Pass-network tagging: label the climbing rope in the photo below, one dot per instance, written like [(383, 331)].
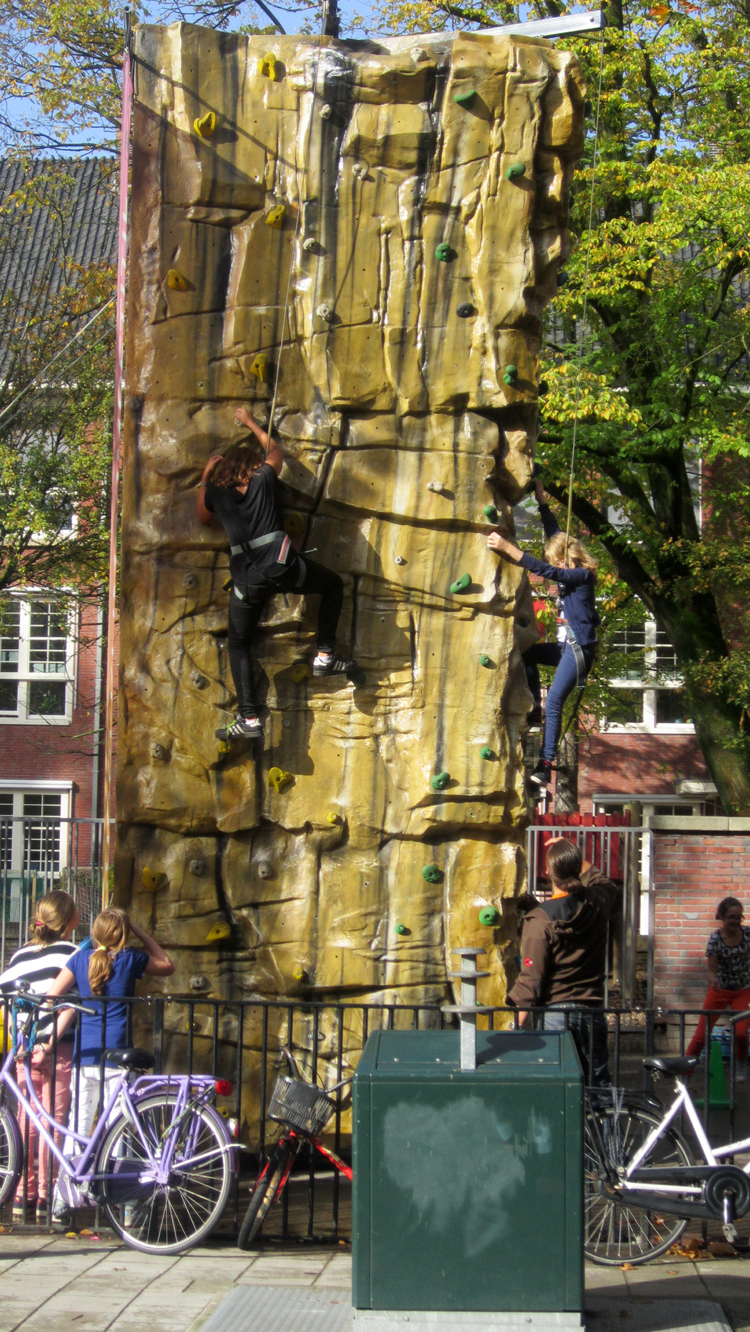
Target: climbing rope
[(296, 230), (571, 478)]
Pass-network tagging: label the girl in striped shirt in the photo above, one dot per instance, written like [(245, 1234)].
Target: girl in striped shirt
[(38, 963)]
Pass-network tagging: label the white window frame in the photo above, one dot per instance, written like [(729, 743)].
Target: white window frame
[(649, 688), (14, 872), (24, 676)]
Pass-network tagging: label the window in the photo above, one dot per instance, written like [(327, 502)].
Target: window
[(33, 845), (648, 690), (36, 661)]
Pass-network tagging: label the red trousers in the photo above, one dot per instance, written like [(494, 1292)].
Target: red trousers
[(41, 1078), (737, 1000)]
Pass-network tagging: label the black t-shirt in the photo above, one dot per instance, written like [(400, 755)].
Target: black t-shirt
[(249, 516)]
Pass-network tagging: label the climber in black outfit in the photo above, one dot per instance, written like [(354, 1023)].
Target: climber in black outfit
[(575, 574), (240, 488)]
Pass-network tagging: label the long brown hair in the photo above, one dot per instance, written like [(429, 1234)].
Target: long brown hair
[(54, 913), (238, 465), (564, 862), (110, 933)]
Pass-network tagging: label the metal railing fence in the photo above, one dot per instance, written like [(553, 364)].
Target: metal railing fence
[(37, 854), (240, 1041)]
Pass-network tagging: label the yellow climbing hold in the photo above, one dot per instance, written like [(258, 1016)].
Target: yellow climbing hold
[(275, 218), (204, 126), (220, 931), (269, 66), (294, 524), (333, 818), (176, 282), (225, 746), (259, 367), (278, 778), (153, 879), (299, 973), (300, 671)]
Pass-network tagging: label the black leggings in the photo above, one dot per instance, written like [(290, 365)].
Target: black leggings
[(244, 617)]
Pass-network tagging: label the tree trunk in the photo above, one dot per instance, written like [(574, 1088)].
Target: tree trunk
[(566, 785)]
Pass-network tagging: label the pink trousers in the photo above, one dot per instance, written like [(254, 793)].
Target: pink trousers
[(41, 1078)]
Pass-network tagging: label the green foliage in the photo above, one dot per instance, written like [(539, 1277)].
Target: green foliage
[(56, 400)]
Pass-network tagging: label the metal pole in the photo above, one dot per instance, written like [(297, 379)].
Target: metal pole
[(122, 268)]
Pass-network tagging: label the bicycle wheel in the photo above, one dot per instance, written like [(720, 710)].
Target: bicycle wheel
[(11, 1154), (616, 1231), (264, 1194), (171, 1217)]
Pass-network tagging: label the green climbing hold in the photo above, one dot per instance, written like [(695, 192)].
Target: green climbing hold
[(440, 781), (484, 660), (490, 513), (400, 927), (511, 374), (431, 873), (461, 584), (465, 98), (444, 252), (517, 169), (485, 752), (489, 915)]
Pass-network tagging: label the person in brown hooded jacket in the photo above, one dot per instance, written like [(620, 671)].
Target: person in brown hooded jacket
[(564, 956)]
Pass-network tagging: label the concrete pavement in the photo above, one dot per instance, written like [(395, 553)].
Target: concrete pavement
[(54, 1284)]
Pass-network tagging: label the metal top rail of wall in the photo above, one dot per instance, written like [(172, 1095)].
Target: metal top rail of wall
[(624, 855), (37, 854)]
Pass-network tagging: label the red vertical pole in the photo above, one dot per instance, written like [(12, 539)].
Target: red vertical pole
[(122, 273)]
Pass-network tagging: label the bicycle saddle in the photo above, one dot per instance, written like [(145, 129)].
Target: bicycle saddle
[(134, 1059), (671, 1066)]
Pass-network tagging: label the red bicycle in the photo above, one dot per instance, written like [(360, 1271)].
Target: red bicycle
[(303, 1110)]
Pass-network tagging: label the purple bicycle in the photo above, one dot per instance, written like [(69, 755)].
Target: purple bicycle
[(160, 1160)]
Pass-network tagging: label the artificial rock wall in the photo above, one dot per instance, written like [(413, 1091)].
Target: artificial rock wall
[(412, 198)]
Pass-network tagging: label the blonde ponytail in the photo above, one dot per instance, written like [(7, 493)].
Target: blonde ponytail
[(110, 933)]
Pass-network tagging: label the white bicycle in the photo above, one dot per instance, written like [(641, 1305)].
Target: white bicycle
[(641, 1182)]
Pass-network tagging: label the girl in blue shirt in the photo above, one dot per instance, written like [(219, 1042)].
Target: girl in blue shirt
[(574, 571), (109, 968)]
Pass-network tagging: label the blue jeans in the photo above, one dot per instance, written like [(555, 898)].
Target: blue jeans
[(562, 656), (588, 1027)]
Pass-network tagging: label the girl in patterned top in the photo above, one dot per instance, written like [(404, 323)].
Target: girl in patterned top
[(38, 963), (728, 953)]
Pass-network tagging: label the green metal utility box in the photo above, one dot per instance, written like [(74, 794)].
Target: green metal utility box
[(468, 1186)]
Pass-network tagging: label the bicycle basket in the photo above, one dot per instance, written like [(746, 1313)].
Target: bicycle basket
[(301, 1106)]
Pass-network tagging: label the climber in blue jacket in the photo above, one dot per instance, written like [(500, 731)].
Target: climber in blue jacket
[(574, 571)]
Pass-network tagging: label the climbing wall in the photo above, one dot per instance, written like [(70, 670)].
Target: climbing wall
[(412, 198)]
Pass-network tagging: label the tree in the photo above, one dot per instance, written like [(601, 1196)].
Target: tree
[(56, 353)]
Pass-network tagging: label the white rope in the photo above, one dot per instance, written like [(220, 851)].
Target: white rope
[(585, 302), (46, 367)]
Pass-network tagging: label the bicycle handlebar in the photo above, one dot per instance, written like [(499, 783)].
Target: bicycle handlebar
[(41, 1001)]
